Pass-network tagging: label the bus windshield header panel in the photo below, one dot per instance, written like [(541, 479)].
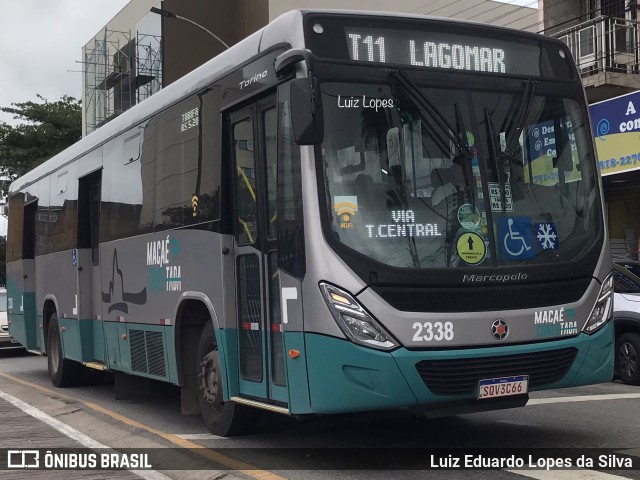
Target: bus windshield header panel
[(442, 51), (436, 45)]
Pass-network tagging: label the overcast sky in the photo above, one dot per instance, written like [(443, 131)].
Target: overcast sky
[(41, 42)]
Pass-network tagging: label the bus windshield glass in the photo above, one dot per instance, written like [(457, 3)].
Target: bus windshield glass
[(424, 177)]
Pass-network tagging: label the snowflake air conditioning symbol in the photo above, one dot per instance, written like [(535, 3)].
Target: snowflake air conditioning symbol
[(547, 236)]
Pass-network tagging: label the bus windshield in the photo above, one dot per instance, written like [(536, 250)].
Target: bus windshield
[(419, 176)]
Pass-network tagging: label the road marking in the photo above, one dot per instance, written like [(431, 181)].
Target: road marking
[(583, 398), (566, 475), (72, 433), (199, 436), (211, 455)]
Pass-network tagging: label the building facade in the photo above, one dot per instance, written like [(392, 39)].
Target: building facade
[(122, 64), (604, 36)]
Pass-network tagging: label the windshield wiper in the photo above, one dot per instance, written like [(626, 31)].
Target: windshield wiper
[(433, 112), (524, 108), (463, 131), (494, 154), (512, 139), (460, 140)]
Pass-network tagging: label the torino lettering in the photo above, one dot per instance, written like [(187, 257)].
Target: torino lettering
[(460, 57)]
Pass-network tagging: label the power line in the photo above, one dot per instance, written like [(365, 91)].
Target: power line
[(494, 6), (450, 4), (537, 12), (520, 8), (571, 19), (517, 10)]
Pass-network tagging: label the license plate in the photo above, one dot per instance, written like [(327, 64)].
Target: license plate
[(503, 387)]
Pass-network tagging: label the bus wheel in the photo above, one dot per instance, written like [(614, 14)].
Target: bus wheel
[(628, 358), (63, 372), (221, 418)]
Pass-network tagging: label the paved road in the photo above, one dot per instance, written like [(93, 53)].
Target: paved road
[(599, 416)]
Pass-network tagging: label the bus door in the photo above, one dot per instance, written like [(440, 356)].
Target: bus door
[(253, 132), (27, 305), (86, 259)]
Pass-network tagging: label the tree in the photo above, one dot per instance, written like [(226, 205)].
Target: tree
[(46, 129)]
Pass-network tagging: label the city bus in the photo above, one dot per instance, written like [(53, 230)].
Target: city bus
[(344, 212)]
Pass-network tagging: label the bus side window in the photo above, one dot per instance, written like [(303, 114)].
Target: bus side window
[(291, 249), (15, 228), (245, 170), (89, 214), (29, 235), (270, 122)]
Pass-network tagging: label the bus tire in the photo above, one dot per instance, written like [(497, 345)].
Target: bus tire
[(63, 372), (627, 356), (222, 418)]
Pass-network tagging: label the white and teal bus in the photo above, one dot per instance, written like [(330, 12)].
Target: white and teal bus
[(343, 212)]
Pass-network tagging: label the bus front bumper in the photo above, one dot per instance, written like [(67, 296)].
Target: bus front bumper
[(345, 377)]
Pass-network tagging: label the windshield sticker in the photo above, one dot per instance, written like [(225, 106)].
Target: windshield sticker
[(471, 140), (547, 236), (516, 238), (364, 102), (471, 248), (346, 208), (543, 154), (469, 216), (495, 194), (555, 322)]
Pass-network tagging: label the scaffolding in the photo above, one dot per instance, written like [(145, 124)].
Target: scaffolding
[(119, 71), (148, 65)]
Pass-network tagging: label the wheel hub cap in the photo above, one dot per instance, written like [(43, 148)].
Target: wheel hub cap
[(628, 359), (209, 379)]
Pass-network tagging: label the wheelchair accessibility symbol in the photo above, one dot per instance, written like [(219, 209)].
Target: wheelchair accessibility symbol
[(516, 238)]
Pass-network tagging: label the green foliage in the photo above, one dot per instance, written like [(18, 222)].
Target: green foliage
[(46, 129)]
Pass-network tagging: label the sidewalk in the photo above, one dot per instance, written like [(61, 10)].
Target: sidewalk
[(21, 431)]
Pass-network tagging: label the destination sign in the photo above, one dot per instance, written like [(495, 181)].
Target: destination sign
[(439, 50)]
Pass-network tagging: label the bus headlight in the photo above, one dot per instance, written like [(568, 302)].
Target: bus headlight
[(355, 321), (603, 309)]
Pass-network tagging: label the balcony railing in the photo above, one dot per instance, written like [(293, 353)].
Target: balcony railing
[(604, 44)]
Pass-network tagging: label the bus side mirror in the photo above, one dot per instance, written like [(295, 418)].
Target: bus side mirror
[(306, 111)]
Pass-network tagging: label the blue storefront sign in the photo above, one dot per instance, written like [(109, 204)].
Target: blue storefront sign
[(616, 127)]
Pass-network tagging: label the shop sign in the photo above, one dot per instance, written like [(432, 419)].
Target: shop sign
[(616, 127)]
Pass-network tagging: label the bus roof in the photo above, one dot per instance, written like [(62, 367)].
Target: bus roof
[(286, 29)]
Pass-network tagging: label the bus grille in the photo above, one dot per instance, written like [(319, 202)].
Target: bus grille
[(483, 299), (461, 376)]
